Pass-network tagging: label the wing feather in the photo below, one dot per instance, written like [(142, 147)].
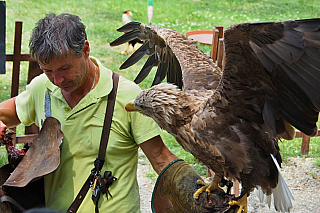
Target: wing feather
[(137, 55), (178, 58), (284, 57), (150, 63)]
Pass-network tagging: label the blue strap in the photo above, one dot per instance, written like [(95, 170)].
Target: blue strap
[(47, 107)]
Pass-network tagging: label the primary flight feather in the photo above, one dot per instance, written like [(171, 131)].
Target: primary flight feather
[(232, 118)]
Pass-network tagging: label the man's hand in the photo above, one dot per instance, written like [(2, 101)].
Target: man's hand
[(3, 128)]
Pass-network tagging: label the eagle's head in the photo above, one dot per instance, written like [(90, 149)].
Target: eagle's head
[(166, 104)]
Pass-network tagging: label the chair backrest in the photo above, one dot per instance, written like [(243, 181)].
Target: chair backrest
[(217, 48), (33, 71)]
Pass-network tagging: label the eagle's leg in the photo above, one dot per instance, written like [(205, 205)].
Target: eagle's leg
[(228, 184), (133, 49), (126, 50), (207, 187), (241, 201)]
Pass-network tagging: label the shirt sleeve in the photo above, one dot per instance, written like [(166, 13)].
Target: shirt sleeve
[(142, 128), (26, 101)]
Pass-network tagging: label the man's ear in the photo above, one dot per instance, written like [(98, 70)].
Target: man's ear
[(86, 48)]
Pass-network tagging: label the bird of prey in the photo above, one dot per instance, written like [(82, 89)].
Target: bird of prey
[(126, 18), (231, 119)]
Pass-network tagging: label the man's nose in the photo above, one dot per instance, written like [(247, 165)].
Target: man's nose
[(58, 78)]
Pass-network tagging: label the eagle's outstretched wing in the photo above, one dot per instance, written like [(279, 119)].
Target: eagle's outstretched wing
[(269, 65), (177, 58), (275, 65)]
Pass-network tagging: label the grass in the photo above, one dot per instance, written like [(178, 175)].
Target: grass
[(293, 149), (103, 17)]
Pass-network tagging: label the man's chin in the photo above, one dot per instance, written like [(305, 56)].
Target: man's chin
[(67, 89)]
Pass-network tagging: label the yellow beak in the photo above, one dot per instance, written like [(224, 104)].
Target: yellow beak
[(131, 108)]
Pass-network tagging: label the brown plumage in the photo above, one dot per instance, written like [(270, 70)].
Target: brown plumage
[(231, 119)]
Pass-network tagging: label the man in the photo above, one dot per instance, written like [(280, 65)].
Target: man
[(78, 86)]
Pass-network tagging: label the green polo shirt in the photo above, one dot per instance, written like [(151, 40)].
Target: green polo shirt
[(82, 127)]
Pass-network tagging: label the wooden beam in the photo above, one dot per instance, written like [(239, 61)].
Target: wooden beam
[(34, 70), (25, 138), (16, 59), (305, 141), (220, 56), (214, 47), (23, 57), (305, 144), (220, 28)]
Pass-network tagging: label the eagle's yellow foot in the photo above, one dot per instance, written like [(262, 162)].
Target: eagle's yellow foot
[(207, 187), (242, 203), (124, 52)]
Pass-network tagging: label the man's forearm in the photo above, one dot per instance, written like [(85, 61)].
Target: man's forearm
[(8, 114), (157, 153)]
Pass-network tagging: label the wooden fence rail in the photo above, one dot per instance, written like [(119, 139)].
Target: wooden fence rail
[(33, 70)]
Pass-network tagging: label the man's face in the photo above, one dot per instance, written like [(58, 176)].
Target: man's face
[(69, 73)]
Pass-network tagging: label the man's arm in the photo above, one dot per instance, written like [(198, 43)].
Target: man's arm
[(157, 153), (8, 113)]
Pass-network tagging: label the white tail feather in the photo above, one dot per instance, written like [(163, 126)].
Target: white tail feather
[(281, 194)]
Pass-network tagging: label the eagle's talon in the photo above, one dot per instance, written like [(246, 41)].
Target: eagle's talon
[(124, 52), (207, 188), (240, 201), (201, 183)]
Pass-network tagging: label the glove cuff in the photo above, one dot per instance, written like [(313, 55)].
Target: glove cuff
[(174, 191)]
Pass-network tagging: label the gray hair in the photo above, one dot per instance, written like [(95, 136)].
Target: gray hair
[(55, 36)]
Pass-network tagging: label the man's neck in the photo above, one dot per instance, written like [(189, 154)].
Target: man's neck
[(74, 97)]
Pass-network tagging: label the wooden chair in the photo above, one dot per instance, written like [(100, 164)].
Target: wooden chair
[(33, 70)]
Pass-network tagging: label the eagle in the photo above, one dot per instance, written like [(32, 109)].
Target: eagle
[(231, 119)]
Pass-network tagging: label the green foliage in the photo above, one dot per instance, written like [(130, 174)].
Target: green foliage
[(3, 156), (317, 162), (293, 148), (103, 17)]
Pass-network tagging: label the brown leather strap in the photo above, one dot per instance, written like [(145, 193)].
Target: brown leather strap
[(81, 195), (103, 143), (108, 118)]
